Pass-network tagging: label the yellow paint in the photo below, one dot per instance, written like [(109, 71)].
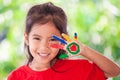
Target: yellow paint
[(75, 39), (67, 38)]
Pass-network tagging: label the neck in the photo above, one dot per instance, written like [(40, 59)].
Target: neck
[(39, 66)]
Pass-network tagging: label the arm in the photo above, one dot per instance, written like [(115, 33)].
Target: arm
[(109, 68)]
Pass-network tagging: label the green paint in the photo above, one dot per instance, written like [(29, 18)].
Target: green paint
[(73, 52)]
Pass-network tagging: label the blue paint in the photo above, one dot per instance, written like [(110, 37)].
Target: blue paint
[(59, 39), (75, 34)]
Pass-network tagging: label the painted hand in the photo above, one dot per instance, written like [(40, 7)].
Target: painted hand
[(71, 47)]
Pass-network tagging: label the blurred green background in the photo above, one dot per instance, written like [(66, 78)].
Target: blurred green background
[(97, 23)]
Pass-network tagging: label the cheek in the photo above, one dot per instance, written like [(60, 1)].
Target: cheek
[(33, 48), (32, 51), (55, 51)]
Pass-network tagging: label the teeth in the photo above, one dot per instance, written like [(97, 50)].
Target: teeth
[(43, 54)]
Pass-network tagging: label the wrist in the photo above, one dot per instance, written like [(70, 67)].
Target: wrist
[(83, 50)]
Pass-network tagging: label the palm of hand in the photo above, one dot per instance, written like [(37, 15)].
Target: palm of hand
[(71, 47)]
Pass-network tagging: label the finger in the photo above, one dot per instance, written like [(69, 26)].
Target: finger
[(66, 37), (75, 36), (57, 46), (59, 39), (63, 56)]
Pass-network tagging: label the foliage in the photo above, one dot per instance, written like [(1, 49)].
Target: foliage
[(95, 21)]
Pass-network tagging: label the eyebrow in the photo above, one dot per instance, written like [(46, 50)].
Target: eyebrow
[(36, 35), (40, 36)]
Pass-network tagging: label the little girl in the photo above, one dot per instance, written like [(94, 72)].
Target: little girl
[(42, 22)]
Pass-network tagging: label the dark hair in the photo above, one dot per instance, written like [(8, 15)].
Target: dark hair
[(42, 14)]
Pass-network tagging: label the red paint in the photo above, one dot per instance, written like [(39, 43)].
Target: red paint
[(73, 48), (75, 37), (57, 46)]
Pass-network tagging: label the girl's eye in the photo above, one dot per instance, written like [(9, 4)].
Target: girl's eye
[(53, 40), (36, 38)]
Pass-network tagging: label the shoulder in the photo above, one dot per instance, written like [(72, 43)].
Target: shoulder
[(75, 62), (72, 64), (16, 73), (81, 65), (78, 62), (87, 69)]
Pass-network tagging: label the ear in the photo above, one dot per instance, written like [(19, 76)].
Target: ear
[(26, 38)]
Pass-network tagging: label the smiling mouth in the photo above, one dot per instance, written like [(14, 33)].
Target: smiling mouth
[(43, 54)]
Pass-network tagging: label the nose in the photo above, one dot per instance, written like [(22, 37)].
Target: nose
[(44, 46)]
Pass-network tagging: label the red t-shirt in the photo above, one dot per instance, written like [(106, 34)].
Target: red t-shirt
[(62, 70)]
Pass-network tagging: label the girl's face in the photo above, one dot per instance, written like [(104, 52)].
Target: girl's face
[(39, 41)]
